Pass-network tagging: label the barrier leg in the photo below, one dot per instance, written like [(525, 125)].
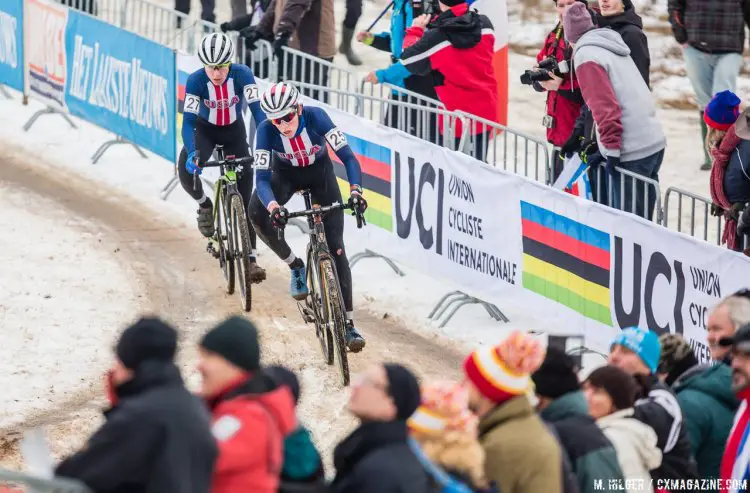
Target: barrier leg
[(169, 187), (439, 303), (49, 110), (118, 140), (370, 254), (301, 225), (459, 299), (465, 301), (445, 302), (4, 92)]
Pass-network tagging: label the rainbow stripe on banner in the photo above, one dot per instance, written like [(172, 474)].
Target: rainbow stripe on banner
[(566, 261), (375, 161)]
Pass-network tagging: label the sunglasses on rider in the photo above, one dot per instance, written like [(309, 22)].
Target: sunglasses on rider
[(285, 119), (217, 67)]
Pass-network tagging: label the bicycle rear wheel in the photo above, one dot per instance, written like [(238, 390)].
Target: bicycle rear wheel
[(333, 301), (320, 311), (241, 250), (224, 240)]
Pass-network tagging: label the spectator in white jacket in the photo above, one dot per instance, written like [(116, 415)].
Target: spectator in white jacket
[(611, 394)]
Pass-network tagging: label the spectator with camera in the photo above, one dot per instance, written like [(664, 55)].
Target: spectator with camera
[(629, 136), (457, 51), (552, 74)]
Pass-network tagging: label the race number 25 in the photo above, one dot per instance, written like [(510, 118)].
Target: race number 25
[(192, 104), (261, 159), (336, 138)]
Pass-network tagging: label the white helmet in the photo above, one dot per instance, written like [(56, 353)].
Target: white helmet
[(216, 49), (279, 99)]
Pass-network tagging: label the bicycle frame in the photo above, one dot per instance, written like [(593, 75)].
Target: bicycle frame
[(227, 182)]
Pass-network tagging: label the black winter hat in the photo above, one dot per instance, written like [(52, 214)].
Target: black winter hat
[(403, 388), (284, 376), (452, 3), (557, 376), (235, 340), (148, 339), (622, 388)]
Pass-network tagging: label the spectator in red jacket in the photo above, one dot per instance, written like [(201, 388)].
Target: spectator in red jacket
[(564, 98), (252, 413), (457, 50)]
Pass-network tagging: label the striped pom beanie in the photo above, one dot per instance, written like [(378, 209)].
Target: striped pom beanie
[(502, 372), (445, 407), (722, 111)]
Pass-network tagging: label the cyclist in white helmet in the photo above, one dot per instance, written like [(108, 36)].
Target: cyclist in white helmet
[(212, 115), (291, 155)]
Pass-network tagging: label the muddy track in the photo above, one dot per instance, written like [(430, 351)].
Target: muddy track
[(183, 284)]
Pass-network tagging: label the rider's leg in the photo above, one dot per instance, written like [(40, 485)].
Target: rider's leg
[(325, 193), (205, 145)]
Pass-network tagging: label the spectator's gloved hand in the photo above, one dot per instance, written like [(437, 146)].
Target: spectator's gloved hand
[(612, 163), (224, 26), (593, 159), (357, 202), (192, 166), (743, 224), (279, 217), (251, 36), (365, 37), (572, 145), (282, 39), (588, 148)]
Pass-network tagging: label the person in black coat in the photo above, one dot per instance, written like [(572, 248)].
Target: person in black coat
[(157, 435), (376, 457)]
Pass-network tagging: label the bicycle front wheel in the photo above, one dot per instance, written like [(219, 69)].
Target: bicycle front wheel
[(241, 250), (224, 241), (320, 310), (333, 301)]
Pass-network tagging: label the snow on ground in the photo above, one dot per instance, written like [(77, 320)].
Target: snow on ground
[(63, 294)]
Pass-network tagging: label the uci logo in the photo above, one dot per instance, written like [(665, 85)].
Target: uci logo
[(222, 104)]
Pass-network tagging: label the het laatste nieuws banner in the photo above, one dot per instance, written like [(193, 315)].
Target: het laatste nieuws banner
[(105, 75), (11, 44)]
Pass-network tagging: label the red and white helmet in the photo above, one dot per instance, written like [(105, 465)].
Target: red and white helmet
[(279, 99)]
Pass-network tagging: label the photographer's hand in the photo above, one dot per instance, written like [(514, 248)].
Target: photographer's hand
[(553, 84), (421, 21)]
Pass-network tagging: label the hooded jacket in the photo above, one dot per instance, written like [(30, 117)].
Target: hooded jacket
[(661, 411), (620, 101), (250, 420), (156, 438), (457, 50), (521, 455), (303, 468), (708, 406), (591, 454), (629, 26), (636, 448)]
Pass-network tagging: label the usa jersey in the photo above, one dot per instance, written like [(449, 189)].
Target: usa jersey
[(219, 105), (304, 149)]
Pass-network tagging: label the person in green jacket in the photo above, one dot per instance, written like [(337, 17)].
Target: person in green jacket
[(706, 399), (562, 404)]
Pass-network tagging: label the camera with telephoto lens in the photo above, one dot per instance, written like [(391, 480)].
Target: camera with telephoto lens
[(429, 7), (546, 67)]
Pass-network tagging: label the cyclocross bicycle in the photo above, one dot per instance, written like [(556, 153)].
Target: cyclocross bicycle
[(230, 243), (324, 306)]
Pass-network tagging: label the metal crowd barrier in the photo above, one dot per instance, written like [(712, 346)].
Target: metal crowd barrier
[(18, 482), (632, 187), (687, 216)]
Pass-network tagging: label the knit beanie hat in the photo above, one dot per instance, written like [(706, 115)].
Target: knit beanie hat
[(557, 376), (147, 339), (676, 357), (620, 385), (284, 376), (642, 342), (403, 388), (722, 111), (235, 340), (501, 372), (452, 3), (576, 22), (445, 406)]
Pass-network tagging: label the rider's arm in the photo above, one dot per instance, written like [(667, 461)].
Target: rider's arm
[(322, 124), (190, 112), (262, 163), (251, 91)]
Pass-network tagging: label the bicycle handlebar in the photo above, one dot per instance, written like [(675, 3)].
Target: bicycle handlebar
[(320, 211), (215, 164)]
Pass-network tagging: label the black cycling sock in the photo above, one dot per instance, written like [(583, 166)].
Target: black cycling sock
[(297, 264)]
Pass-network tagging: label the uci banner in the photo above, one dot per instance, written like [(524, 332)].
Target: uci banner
[(11, 43), (108, 76)]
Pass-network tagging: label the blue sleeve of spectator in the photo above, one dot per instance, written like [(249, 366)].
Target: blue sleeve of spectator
[(395, 74)]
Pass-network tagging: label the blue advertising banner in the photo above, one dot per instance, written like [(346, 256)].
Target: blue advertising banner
[(121, 82), (11, 43)]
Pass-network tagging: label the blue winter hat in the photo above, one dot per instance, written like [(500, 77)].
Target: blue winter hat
[(642, 342), (722, 111)]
